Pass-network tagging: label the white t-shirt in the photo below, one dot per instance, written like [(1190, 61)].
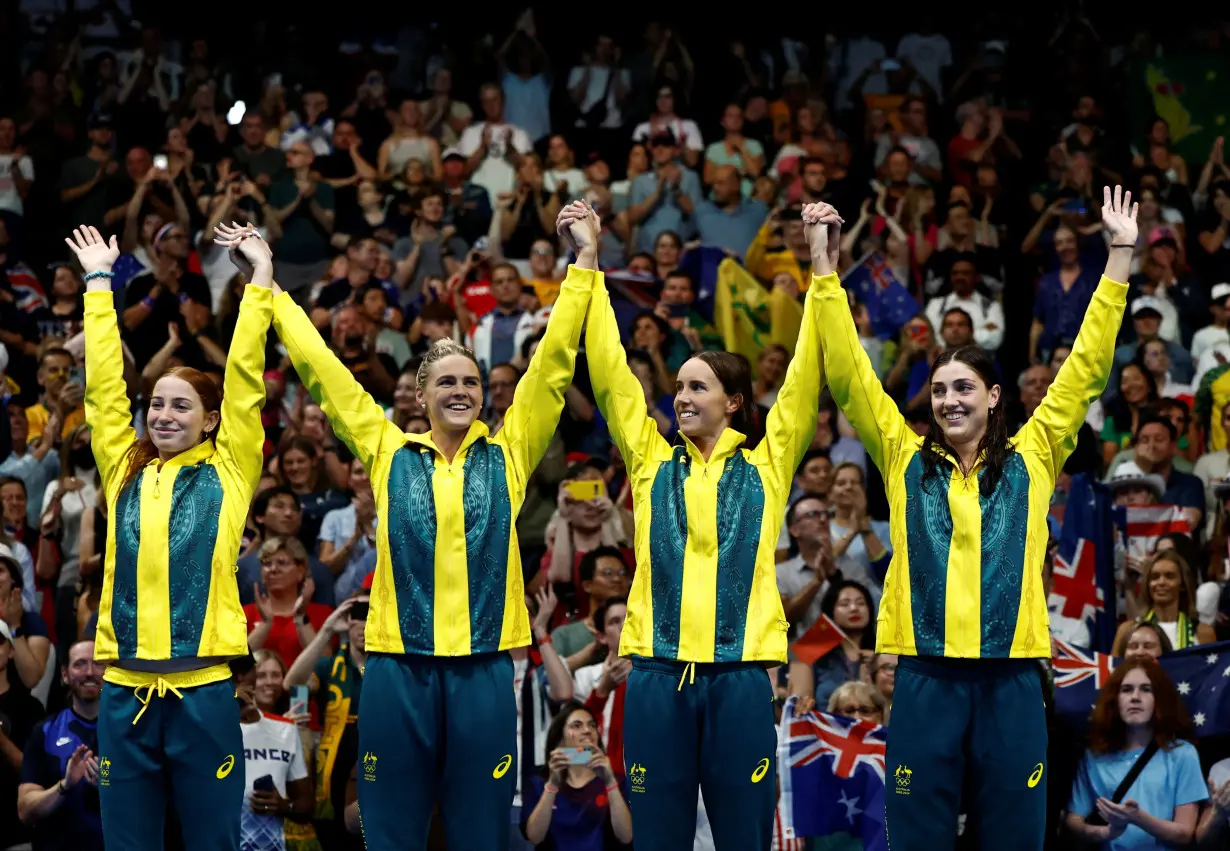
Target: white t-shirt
[(9, 199), (495, 173), (574, 177), (598, 78), (1206, 338), (271, 746), (684, 130)]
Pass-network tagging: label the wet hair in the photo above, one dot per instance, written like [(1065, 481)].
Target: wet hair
[(143, 450), (440, 350), (734, 373), (994, 443), (1170, 722)]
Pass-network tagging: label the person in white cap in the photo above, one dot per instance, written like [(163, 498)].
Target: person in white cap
[(1215, 332), (1131, 485), (1147, 316)]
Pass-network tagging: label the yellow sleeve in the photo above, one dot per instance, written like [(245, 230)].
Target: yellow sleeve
[(356, 417), (1082, 378), (857, 391), (792, 419), (531, 420), (107, 410), (753, 261), (241, 436), (619, 394)]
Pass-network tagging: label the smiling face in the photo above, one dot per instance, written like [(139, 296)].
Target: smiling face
[(1136, 698), (1143, 643), (646, 334), (268, 688), (281, 574), (961, 403), (581, 730), (82, 675), (1165, 582), (177, 419), (403, 395), (297, 469), (542, 259), (453, 394), (847, 486), (1133, 385), (772, 366), (702, 407)]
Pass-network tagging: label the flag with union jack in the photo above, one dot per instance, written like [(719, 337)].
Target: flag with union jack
[(831, 771), (1201, 675), (888, 300), (1083, 578)]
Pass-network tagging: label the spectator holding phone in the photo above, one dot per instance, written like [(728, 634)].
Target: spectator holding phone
[(579, 805), (278, 785), (336, 681)]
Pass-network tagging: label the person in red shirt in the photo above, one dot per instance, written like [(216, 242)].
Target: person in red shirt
[(284, 619)]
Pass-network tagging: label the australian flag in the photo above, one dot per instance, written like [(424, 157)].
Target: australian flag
[(1083, 581), (888, 300), (832, 777), (1201, 674)]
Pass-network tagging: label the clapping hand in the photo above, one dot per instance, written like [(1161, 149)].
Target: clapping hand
[(547, 602), (94, 253), (82, 765)]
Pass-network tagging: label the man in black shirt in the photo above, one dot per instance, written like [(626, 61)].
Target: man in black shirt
[(19, 713), (343, 169), (58, 795), (159, 298)]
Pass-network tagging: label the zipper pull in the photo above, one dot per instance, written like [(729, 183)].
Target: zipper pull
[(157, 481)]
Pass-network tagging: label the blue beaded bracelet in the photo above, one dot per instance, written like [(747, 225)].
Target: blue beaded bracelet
[(99, 274)]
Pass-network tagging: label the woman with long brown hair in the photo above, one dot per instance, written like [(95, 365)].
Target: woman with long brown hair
[(1138, 716), (1168, 598), (169, 619)]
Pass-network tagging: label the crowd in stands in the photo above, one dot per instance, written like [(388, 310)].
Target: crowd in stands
[(409, 184)]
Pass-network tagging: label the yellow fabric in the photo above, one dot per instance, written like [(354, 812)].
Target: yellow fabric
[(1044, 443), (748, 317), (528, 428), (1221, 397), (545, 291), (237, 457), (159, 685), (789, 428), (37, 416), (765, 264)]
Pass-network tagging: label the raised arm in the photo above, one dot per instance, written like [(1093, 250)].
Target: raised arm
[(241, 436), (107, 410), (618, 392), (1082, 378), (792, 419), (847, 368), (532, 418)]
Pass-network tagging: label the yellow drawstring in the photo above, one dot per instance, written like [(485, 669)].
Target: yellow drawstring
[(689, 674), (160, 686)]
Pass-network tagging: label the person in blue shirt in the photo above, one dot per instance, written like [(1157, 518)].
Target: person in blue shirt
[(60, 771), (665, 198), (1138, 706), (578, 806)]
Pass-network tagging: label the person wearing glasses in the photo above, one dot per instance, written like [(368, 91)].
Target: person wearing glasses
[(169, 619)]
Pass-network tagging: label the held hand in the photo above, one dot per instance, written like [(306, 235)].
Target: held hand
[(600, 764), (557, 764), (268, 803), (93, 252), (248, 251), (1119, 216), (822, 226)]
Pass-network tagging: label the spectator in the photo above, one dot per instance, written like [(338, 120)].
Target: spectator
[(315, 127), (1147, 641), (278, 786), (665, 198), (348, 535), (1133, 402), (408, 142), (849, 605), (1215, 333), (58, 795), (985, 314), (336, 681), (1215, 822), (19, 716), (301, 205), (859, 701), (299, 466), (444, 117), (1146, 321), (882, 673), (664, 122), (86, 181), (277, 514), (1063, 296), (1156, 445), (604, 575), (803, 581), (1167, 598), (59, 393), (501, 385), (493, 147), (499, 334), (254, 158), (577, 805), (602, 685), (432, 249), (730, 219), (283, 618), (31, 463), (467, 205), (1138, 713), (65, 501), (30, 646), (562, 175), (744, 155), (14, 513), (861, 545)]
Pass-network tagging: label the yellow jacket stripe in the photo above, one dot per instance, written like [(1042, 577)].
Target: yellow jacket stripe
[(448, 578), (966, 573), (705, 587), (169, 583)]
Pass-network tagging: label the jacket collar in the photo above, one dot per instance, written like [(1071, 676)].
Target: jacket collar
[(203, 451), (728, 443), (478, 429)]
